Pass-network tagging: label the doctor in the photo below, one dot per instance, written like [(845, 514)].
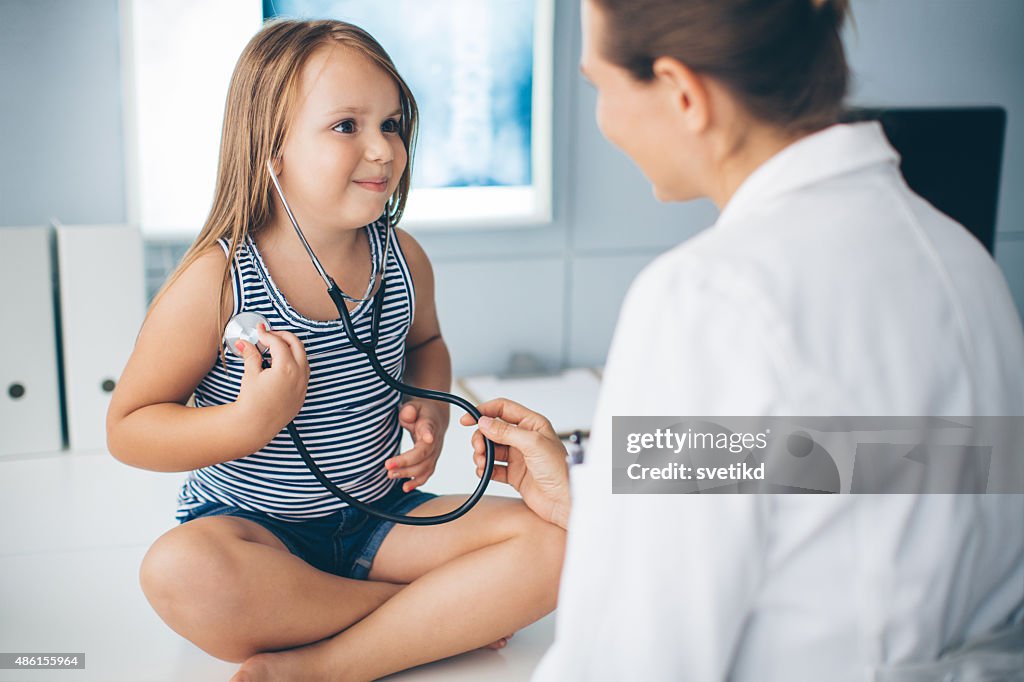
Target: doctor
[(826, 287)]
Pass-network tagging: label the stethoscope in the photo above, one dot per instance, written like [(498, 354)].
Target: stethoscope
[(244, 326)]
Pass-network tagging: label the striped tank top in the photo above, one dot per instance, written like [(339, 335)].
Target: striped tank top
[(349, 421)]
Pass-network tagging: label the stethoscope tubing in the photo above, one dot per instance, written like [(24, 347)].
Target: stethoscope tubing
[(370, 351)]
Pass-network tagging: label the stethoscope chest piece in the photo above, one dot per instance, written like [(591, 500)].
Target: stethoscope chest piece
[(244, 327)]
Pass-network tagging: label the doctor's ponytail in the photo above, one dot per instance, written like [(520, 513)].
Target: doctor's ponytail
[(782, 59)]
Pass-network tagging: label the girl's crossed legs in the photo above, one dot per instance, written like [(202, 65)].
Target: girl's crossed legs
[(234, 589)]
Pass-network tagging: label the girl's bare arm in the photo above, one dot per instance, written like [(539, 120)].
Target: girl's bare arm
[(148, 425), (428, 364)]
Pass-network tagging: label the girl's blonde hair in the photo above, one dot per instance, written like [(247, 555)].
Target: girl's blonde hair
[(261, 97)]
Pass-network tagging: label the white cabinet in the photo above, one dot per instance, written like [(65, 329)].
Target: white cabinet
[(30, 410), (102, 303)]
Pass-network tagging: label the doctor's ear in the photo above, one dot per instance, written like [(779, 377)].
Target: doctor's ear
[(686, 89)]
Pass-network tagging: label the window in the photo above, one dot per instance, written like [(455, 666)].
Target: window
[(178, 59), (481, 71)]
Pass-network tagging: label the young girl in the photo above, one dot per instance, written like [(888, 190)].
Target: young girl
[(265, 558)]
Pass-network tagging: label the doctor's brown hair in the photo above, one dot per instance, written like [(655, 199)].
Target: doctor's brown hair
[(261, 96), (782, 59)]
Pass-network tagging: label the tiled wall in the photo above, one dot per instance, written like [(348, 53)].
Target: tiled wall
[(554, 290)]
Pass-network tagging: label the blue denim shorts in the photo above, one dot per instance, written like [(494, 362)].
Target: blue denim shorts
[(343, 543)]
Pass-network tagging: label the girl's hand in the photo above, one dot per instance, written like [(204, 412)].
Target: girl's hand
[(272, 396), (426, 421)]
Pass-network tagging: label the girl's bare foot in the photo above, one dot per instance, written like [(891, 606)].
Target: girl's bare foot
[(498, 644), (304, 664)]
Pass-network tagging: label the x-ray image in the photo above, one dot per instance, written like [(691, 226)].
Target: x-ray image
[(470, 66)]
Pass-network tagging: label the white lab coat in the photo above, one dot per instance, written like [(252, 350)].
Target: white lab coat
[(826, 287)]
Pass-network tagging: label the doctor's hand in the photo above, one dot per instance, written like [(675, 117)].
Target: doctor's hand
[(272, 396), (527, 455), (426, 421)]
